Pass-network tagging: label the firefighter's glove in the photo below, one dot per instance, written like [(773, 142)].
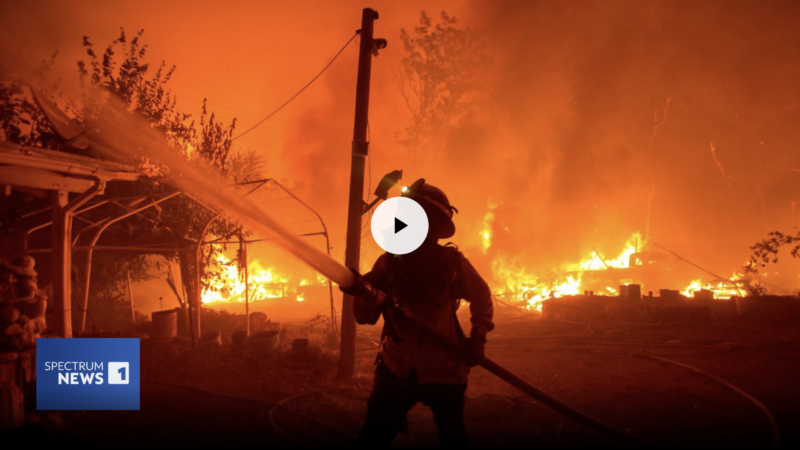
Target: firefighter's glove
[(363, 289), (474, 353)]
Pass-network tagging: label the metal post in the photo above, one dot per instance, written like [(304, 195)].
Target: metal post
[(103, 226), (327, 244), (61, 267), (63, 211), (360, 149)]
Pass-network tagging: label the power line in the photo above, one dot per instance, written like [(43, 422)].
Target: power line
[(300, 91), (218, 105)]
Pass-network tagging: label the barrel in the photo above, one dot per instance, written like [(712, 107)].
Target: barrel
[(165, 324)]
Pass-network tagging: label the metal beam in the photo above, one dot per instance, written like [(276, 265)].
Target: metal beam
[(96, 236), (63, 211)]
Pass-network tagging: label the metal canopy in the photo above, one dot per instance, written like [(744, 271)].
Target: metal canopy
[(60, 173), (65, 164)]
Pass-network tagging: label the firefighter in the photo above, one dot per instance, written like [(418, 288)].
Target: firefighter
[(431, 281)]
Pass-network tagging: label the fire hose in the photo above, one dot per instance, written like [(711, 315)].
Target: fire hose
[(129, 134), (259, 220), (514, 380), (199, 180)]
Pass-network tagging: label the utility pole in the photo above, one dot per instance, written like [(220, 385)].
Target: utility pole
[(360, 150)]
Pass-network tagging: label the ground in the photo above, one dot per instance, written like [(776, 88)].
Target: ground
[(219, 397)]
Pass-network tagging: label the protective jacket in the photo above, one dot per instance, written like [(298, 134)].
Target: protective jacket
[(431, 281)]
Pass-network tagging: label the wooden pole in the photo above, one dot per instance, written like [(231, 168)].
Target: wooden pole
[(360, 150)]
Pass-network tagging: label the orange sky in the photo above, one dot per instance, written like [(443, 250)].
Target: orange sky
[(247, 58), (565, 140)]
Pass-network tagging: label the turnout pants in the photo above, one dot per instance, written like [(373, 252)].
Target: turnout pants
[(392, 397)]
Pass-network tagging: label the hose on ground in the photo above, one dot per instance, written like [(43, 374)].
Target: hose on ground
[(770, 417)]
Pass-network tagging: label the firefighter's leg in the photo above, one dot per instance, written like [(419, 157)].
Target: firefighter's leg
[(391, 398), (447, 404)]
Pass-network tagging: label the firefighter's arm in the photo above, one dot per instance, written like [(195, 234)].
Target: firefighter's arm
[(367, 296), (475, 290)]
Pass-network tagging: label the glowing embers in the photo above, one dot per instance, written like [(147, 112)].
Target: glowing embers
[(227, 285)]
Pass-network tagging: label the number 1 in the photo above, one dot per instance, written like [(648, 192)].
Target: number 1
[(121, 372)]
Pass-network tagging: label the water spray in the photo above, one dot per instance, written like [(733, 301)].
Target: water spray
[(124, 132)]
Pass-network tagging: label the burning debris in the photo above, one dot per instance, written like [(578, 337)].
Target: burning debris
[(594, 273), (601, 277), (227, 284), (269, 290)]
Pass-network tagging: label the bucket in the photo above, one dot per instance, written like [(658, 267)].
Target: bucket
[(264, 342), (165, 324)]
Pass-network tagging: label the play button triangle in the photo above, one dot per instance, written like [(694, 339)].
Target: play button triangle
[(398, 225), (395, 215)]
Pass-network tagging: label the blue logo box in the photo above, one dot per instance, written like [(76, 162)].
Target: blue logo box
[(87, 374)]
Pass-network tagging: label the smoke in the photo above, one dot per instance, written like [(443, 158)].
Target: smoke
[(572, 146), (607, 118)]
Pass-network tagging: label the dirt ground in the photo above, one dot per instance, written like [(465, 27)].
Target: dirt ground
[(219, 397)]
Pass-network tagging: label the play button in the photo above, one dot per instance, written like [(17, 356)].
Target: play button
[(399, 225)]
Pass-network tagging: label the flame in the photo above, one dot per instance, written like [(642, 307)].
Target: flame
[(488, 220), (530, 289), (486, 232), (693, 287), (597, 261), (518, 283), (720, 290), (264, 283)]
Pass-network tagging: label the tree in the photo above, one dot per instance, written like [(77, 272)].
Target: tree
[(441, 76), (148, 96), (122, 74), (21, 120), (766, 251)]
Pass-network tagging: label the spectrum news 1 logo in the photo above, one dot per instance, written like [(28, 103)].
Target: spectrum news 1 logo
[(87, 374)]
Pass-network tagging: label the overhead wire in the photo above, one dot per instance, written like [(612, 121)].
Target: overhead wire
[(298, 92), (218, 105)]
